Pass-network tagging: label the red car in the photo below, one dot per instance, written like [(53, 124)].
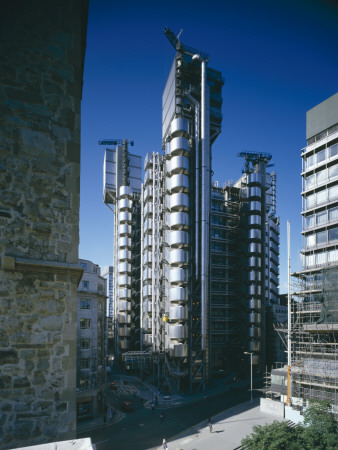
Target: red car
[(113, 386), (127, 406)]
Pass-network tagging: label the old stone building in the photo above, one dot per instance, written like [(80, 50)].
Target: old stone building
[(42, 47)]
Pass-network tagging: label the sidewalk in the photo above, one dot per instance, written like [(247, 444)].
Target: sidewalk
[(229, 428), (94, 424)]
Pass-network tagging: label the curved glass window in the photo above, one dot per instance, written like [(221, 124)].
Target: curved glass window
[(333, 192), (321, 176), (321, 258), (310, 240), (310, 221)]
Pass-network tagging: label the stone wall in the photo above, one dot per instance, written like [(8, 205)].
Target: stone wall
[(42, 45)]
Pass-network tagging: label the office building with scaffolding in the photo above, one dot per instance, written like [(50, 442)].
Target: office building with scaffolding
[(314, 364), (207, 255)]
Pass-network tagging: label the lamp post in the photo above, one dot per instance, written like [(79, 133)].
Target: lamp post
[(250, 353)]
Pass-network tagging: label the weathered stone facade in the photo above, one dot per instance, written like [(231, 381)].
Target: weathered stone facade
[(42, 46)]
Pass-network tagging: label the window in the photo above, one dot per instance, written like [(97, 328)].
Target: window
[(321, 197), (333, 150), (332, 255), (95, 269), (333, 214), (333, 171), (83, 265), (310, 201), (85, 284), (310, 221), (310, 241), (84, 383), (333, 192), (84, 343), (333, 234), (309, 161), (84, 323), (321, 176), (321, 258), (321, 156), (309, 181), (84, 303), (321, 218), (310, 260), (321, 237), (84, 363)]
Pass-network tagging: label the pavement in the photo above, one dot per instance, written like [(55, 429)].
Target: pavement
[(229, 428)]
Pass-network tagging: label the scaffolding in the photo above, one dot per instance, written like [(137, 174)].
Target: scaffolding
[(314, 312)]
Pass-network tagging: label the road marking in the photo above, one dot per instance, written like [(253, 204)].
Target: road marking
[(141, 424), (101, 442)]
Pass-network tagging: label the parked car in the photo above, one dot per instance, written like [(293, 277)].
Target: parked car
[(127, 406), (113, 386)]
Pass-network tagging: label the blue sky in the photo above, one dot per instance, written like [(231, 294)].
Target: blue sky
[(278, 58)]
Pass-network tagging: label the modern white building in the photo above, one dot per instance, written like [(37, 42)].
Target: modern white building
[(315, 311)]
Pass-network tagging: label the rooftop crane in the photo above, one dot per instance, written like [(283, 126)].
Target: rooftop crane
[(125, 158), (179, 46), (254, 158)]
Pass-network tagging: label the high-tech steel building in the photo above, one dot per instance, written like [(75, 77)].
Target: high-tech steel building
[(315, 313), (193, 283)]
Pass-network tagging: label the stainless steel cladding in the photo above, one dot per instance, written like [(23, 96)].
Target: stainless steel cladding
[(178, 276), (179, 202), (126, 191), (254, 178), (255, 220), (178, 257), (178, 331), (255, 191), (255, 346), (254, 261), (124, 305), (125, 229), (124, 267), (179, 146), (124, 280), (125, 216), (179, 239), (255, 247), (124, 293), (125, 204), (255, 206), (255, 332), (178, 294), (178, 183), (178, 164), (179, 127), (179, 220), (255, 317), (255, 234), (124, 254), (178, 312), (124, 241), (124, 318), (254, 275)]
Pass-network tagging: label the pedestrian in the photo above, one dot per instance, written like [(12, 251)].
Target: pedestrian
[(152, 407), (164, 443), (162, 416), (210, 424)]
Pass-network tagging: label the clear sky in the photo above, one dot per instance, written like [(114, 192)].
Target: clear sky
[(279, 58)]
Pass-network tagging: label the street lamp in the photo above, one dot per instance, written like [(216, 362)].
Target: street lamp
[(250, 353)]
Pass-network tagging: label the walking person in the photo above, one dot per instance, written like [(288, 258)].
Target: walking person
[(164, 443), (210, 424)]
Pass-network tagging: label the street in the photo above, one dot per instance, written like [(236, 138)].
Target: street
[(143, 429)]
